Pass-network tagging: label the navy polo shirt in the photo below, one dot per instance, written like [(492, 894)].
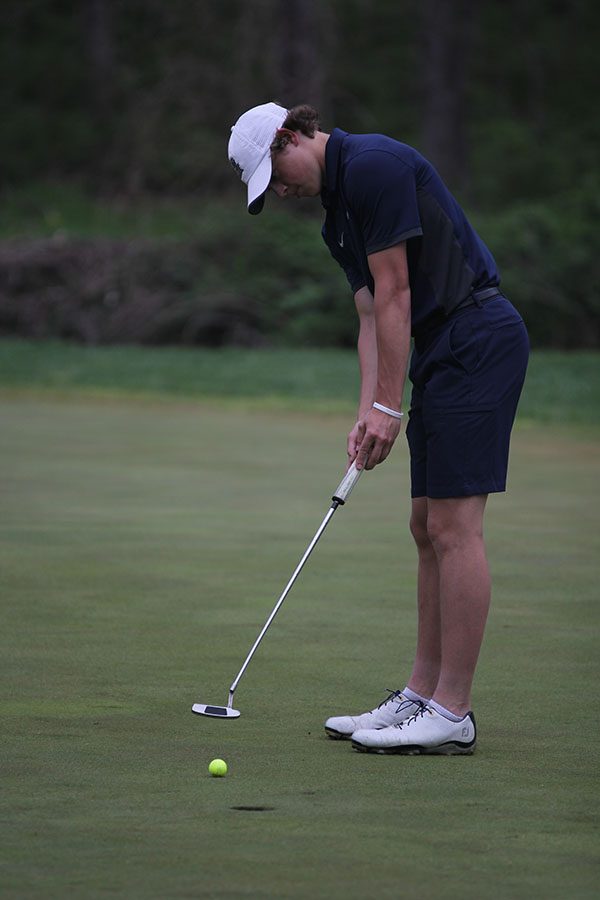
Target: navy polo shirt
[(377, 193)]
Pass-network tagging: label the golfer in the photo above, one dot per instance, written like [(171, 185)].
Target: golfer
[(416, 268)]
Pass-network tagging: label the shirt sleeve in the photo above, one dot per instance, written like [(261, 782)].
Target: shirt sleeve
[(355, 278), (381, 192)]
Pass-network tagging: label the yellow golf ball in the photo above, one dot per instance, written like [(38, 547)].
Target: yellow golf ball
[(218, 768)]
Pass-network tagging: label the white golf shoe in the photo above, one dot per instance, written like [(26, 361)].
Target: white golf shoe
[(391, 711), (426, 732)]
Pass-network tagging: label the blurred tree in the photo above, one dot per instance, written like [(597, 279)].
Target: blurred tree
[(376, 66), (283, 50), (302, 28), (141, 95), (100, 47), (99, 43), (448, 31)]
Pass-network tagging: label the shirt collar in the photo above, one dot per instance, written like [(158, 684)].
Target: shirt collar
[(333, 149)]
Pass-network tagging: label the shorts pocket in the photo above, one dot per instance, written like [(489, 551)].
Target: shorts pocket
[(501, 315), (464, 344)]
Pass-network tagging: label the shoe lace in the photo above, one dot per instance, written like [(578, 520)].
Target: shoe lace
[(420, 712), (392, 695)]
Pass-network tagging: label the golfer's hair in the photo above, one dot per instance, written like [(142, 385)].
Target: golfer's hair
[(301, 118)]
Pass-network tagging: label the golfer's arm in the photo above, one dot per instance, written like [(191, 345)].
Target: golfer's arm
[(392, 322), (367, 350)]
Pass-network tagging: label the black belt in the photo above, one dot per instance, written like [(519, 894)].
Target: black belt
[(477, 298)]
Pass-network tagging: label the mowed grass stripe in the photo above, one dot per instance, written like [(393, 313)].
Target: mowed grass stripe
[(562, 388)]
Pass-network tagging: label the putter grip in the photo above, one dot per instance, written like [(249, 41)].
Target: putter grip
[(345, 486)]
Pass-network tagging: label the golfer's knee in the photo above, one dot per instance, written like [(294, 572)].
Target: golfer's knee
[(418, 529), (443, 540), (448, 535)]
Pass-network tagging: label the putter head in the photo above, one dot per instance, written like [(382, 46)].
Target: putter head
[(217, 712)]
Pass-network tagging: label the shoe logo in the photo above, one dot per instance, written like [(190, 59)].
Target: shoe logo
[(341, 240), (465, 732)]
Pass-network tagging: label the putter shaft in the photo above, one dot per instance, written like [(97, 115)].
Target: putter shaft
[(286, 591), (342, 493)]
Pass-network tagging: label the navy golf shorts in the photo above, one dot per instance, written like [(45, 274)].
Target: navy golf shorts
[(467, 374)]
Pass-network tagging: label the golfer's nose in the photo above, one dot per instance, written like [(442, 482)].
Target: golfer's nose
[(279, 188)]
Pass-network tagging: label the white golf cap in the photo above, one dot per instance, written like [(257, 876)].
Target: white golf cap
[(249, 149)]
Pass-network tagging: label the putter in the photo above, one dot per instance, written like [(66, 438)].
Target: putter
[(339, 498)]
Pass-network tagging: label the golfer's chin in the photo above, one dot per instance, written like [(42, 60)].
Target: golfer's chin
[(303, 193)]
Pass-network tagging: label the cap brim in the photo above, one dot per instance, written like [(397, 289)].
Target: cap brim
[(258, 184)]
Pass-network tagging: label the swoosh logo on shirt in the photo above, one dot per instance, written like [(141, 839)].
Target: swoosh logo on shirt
[(341, 240)]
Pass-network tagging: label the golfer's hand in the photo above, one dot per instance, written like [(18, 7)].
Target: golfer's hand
[(379, 431), (355, 439)]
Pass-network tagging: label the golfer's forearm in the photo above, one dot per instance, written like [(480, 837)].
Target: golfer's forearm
[(367, 361), (367, 350), (392, 322)]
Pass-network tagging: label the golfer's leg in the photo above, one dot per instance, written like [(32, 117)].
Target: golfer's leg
[(426, 669), (455, 528)]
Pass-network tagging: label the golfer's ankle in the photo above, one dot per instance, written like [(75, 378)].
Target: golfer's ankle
[(415, 696), (457, 705)]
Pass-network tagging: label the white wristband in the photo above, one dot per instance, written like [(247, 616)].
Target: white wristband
[(391, 412)]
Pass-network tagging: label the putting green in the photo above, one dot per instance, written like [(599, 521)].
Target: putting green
[(142, 547)]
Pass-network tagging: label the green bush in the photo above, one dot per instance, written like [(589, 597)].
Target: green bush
[(230, 283), (215, 276), (549, 256)]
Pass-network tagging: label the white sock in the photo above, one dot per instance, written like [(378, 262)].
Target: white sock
[(445, 712), (412, 695)]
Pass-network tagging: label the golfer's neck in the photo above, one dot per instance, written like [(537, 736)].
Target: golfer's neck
[(321, 139)]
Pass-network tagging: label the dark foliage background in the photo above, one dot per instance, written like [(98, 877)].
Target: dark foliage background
[(125, 105)]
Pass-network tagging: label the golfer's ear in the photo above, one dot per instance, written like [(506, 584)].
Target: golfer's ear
[(289, 136)]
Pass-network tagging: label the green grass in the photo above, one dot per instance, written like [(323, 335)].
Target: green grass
[(142, 546), (48, 209), (561, 388)]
